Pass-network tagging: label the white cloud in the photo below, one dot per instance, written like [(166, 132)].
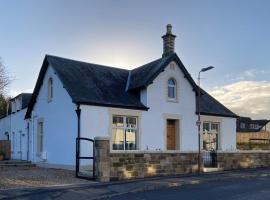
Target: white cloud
[(249, 74), (246, 98)]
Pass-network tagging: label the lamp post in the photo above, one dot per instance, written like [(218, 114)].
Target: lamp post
[(199, 115)]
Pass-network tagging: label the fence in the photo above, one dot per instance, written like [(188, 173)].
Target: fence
[(5, 146)]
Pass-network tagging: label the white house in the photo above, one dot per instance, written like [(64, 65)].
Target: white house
[(152, 107), (13, 127)]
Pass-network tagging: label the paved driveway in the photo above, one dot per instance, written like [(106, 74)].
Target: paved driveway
[(21, 177)]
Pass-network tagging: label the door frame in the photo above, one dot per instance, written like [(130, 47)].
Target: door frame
[(178, 132)]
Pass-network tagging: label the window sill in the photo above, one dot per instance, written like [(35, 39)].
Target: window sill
[(172, 100)]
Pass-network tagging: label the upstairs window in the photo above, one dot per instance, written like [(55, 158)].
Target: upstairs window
[(171, 89), (50, 89), (242, 125)]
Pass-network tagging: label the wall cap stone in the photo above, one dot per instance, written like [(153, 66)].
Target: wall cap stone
[(101, 138), (150, 152), (245, 151)]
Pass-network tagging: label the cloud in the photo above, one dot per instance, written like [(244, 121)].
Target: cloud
[(245, 98), (249, 74)]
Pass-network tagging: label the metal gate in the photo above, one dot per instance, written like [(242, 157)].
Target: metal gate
[(79, 157), (209, 158)]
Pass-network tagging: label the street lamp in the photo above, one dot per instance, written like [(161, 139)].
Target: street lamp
[(199, 115)]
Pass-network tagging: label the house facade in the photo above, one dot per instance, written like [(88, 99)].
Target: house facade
[(150, 108), (13, 127)]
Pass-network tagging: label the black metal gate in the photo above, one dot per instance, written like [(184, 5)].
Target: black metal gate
[(209, 158), (79, 157)]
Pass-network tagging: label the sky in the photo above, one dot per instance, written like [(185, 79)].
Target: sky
[(233, 36)]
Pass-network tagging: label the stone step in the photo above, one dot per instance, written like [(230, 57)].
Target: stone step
[(16, 163)]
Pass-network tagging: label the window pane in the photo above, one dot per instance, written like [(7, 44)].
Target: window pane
[(171, 82), (206, 127), (130, 139), (118, 121), (131, 122), (117, 139), (214, 128), (171, 92)]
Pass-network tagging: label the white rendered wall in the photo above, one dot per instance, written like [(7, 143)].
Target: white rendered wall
[(4, 127), (227, 131), (154, 120), (60, 123)]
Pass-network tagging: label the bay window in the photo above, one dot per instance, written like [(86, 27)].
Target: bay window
[(124, 132)]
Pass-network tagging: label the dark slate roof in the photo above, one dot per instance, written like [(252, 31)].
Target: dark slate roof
[(90, 84), (26, 97), (259, 124), (99, 85), (210, 106), (144, 75)]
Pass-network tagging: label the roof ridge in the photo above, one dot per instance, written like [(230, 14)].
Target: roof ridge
[(84, 62)]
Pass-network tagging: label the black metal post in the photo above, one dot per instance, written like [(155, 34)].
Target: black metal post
[(78, 112), (199, 124)]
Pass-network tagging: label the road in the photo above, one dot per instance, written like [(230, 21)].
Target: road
[(229, 185), (239, 189)]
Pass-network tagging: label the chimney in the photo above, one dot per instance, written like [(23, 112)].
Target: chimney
[(168, 41)]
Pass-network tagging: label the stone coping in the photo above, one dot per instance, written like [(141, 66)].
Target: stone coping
[(182, 152), (101, 138), (150, 152), (245, 151)]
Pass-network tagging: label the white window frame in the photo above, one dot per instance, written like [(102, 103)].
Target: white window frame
[(40, 136), (174, 89), (50, 89), (210, 130), (124, 128)]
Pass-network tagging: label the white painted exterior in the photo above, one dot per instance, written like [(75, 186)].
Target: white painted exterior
[(15, 127), (227, 134), (183, 109), (60, 124), (60, 120)]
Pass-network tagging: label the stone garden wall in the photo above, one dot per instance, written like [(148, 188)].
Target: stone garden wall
[(111, 166), (137, 164), (243, 159)]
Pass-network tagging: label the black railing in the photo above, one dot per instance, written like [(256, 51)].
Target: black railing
[(79, 157)]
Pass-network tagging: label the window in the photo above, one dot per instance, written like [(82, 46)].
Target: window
[(210, 135), (124, 133), (50, 89), (40, 131), (171, 89), (242, 125)]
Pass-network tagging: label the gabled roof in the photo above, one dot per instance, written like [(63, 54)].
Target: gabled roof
[(210, 106), (143, 76), (93, 84)]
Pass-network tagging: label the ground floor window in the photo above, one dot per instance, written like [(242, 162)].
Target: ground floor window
[(210, 135), (40, 132), (124, 132)]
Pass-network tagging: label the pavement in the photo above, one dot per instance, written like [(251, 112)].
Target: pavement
[(95, 190)]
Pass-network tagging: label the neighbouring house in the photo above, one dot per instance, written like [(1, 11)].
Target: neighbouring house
[(13, 127), (253, 133), (149, 108)]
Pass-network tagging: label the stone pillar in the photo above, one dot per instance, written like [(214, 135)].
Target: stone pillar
[(102, 159)]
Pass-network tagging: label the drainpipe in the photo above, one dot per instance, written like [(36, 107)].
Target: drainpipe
[(78, 112)]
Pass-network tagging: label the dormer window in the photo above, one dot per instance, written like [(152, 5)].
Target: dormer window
[(50, 89), (171, 89)]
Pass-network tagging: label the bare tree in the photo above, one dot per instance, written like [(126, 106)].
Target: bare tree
[(4, 83), (4, 78)]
